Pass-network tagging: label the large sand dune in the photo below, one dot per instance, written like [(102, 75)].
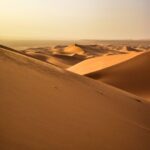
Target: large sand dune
[(45, 108), (101, 62), (132, 75)]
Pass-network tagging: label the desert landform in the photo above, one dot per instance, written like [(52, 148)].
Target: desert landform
[(76, 96)]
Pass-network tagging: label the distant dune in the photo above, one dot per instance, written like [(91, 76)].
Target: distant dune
[(74, 49), (84, 50), (71, 49), (65, 58), (43, 107), (60, 61), (132, 75), (101, 62), (129, 48)]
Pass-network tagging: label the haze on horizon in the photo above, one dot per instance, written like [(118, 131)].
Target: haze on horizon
[(74, 19)]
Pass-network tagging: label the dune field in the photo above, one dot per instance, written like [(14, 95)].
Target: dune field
[(75, 97)]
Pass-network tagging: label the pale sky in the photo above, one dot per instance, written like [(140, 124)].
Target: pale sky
[(74, 19)]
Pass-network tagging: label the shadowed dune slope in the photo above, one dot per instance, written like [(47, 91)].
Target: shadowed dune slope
[(62, 61), (45, 108), (132, 75)]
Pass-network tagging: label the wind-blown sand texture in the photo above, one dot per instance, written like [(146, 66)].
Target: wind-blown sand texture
[(43, 107)]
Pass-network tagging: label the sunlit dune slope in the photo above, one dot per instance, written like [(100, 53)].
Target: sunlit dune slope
[(45, 108), (101, 62), (132, 75)]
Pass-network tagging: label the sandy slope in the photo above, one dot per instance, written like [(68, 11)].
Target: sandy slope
[(45, 108), (132, 75), (98, 63)]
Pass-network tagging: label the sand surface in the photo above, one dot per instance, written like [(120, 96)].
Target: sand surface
[(101, 62), (43, 107), (59, 56), (61, 61), (132, 75)]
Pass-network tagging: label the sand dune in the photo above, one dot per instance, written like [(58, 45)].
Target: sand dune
[(44, 107), (65, 56), (84, 50), (71, 49), (74, 49), (132, 75), (98, 50), (129, 48), (62, 61), (98, 63)]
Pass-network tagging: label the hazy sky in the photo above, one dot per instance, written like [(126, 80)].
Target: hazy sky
[(74, 19)]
